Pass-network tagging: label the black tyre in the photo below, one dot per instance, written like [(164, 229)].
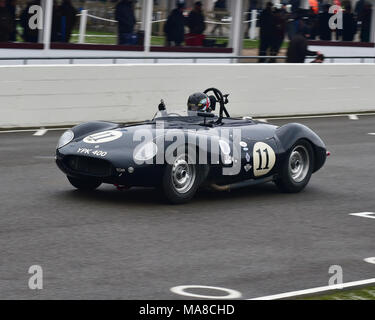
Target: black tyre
[(181, 180), (84, 184), (297, 168)]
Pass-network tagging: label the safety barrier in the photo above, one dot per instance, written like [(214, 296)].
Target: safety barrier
[(63, 95), (170, 59)]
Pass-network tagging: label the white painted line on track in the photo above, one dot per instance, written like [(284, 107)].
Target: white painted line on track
[(353, 117), (40, 132), (16, 131), (316, 290), (370, 260), (31, 130), (316, 116), (370, 215), (372, 133)]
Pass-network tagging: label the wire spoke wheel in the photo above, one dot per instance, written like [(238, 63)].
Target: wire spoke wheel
[(299, 163)]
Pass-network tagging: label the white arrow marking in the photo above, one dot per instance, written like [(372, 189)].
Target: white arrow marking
[(369, 215), (372, 133), (353, 117), (40, 132), (370, 260)]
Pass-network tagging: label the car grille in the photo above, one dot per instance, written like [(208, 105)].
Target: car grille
[(90, 166)]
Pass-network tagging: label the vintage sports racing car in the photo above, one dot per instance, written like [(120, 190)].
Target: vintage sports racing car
[(180, 153)]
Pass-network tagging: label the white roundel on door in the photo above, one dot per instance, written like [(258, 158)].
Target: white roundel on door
[(102, 137), (264, 159)]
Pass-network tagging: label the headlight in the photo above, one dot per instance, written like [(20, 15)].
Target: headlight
[(66, 138), (225, 150), (145, 152)]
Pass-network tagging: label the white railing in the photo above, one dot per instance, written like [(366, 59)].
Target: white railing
[(228, 21)]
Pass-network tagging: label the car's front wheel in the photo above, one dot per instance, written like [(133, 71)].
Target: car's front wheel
[(180, 180), (297, 169), (84, 184)]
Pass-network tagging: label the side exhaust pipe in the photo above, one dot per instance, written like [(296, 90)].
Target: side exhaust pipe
[(242, 184)]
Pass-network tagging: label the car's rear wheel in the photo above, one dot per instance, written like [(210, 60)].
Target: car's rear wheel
[(180, 180), (297, 168), (84, 184)]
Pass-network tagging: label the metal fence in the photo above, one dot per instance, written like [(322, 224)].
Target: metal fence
[(193, 59)]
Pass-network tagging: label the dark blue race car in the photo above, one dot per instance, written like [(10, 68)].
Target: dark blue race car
[(180, 153)]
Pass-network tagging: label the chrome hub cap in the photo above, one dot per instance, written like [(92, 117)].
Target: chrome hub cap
[(183, 175), (299, 163)]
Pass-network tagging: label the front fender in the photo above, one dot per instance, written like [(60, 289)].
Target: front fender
[(87, 128), (289, 134)]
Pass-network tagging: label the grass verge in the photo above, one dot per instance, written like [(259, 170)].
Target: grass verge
[(356, 294)]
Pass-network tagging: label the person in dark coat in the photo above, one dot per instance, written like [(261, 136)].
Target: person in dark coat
[(195, 19), (349, 23), (359, 6), (126, 21), (298, 47), (196, 24), (29, 35), (6, 22), (68, 19), (11, 5), (366, 22), (278, 34), (267, 28), (174, 28), (56, 23), (325, 32), (312, 23)]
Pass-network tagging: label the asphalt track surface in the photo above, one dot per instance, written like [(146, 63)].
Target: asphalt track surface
[(131, 245)]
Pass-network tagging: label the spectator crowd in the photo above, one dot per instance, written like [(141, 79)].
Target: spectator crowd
[(276, 24), (174, 27)]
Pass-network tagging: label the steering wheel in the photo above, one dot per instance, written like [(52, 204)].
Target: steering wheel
[(216, 92), (222, 99)]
